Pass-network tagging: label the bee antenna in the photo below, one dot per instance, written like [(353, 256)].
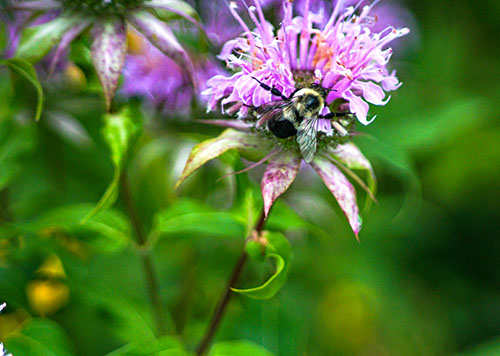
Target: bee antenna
[(272, 89)]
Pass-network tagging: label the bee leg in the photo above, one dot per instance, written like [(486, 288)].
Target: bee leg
[(331, 115), (273, 90)]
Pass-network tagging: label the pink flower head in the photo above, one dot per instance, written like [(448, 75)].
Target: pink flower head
[(342, 54), (274, 69)]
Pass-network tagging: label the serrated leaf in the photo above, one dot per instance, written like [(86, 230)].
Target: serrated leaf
[(165, 346), (120, 131), (28, 72), (278, 250), (40, 337), (249, 145), (238, 348), (37, 41)]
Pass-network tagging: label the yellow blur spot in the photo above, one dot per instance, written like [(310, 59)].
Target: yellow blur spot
[(348, 318), (47, 297), (52, 267), (135, 43), (75, 75), (48, 293)]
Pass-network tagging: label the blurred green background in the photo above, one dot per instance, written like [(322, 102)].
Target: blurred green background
[(425, 279)]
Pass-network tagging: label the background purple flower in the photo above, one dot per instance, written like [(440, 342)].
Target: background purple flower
[(218, 22), (148, 73), (108, 22)]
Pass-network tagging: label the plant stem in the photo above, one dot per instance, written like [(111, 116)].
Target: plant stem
[(145, 252), (226, 295)]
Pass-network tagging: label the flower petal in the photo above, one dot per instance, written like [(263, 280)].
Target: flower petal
[(357, 106), (279, 175), (108, 54), (251, 146), (341, 188), (159, 34), (37, 41), (350, 156), (372, 92)]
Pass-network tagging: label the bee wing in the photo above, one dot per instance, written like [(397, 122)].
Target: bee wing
[(306, 138), (272, 109)]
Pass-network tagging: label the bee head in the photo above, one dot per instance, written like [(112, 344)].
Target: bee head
[(321, 90)]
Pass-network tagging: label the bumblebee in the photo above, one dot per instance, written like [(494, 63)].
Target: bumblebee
[(296, 115)]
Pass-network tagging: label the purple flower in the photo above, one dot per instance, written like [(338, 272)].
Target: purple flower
[(14, 27), (344, 55), (219, 24), (150, 74), (108, 23), (275, 69)]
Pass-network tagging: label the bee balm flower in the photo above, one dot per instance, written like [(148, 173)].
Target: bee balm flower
[(108, 21), (150, 74), (343, 63), (344, 55)]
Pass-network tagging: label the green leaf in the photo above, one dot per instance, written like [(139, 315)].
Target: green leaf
[(28, 72), (250, 146), (170, 9), (278, 250), (190, 217), (165, 346), (120, 132), (238, 348), (37, 41), (16, 143), (40, 337), (489, 348), (108, 231), (284, 218)]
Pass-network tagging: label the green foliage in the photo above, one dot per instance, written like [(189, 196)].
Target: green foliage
[(487, 349), (107, 231), (26, 70), (165, 346), (38, 40), (187, 217), (16, 142), (279, 251), (120, 131), (422, 281), (40, 337), (238, 348), (179, 6)]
